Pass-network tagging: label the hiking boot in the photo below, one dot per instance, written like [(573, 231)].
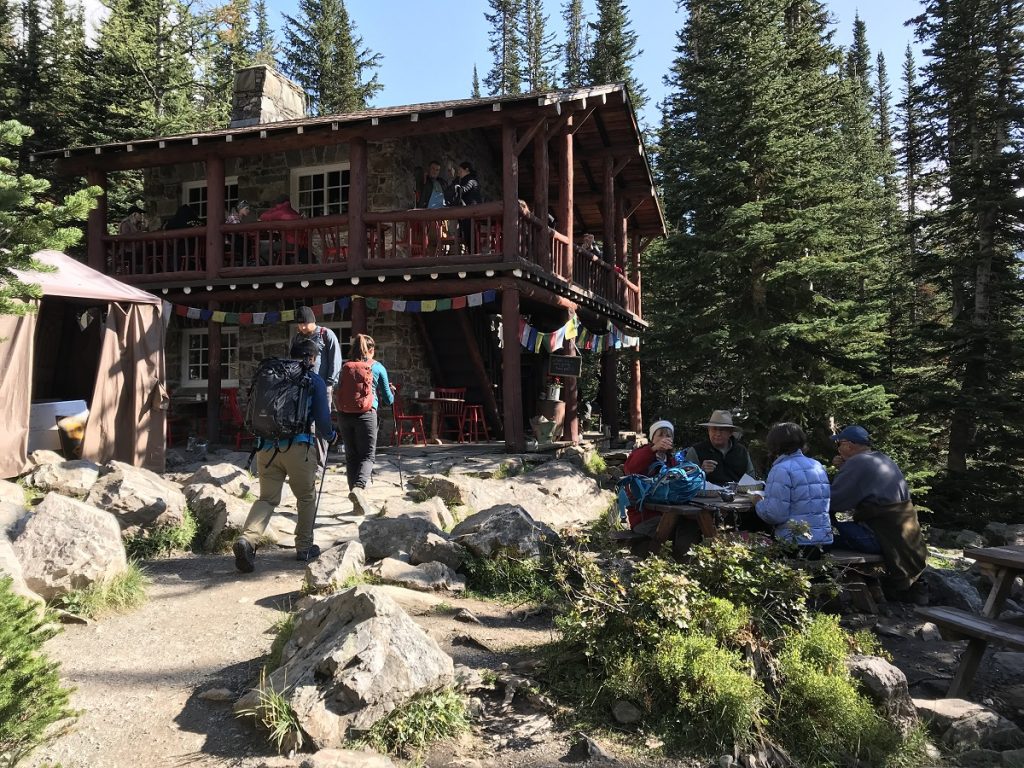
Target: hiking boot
[(307, 555), (360, 503), (245, 555)]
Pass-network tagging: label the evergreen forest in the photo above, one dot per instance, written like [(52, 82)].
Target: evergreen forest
[(844, 232)]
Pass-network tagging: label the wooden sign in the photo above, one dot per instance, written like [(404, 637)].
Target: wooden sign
[(565, 365)]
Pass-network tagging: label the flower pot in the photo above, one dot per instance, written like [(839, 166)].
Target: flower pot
[(554, 392)]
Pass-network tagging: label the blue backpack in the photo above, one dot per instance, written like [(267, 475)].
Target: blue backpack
[(668, 485)]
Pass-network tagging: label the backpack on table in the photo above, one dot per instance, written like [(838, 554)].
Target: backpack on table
[(356, 387)]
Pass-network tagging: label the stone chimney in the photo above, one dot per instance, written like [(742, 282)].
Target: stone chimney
[(264, 95)]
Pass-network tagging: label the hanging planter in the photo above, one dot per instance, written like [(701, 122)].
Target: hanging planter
[(554, 392)]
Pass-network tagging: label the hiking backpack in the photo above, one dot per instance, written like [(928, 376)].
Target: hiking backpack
[(356, 387), (280, 400)]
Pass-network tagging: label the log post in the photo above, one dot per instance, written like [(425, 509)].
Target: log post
[(541, 172), (570, 395), (620, 234), (565, 193), (357, 205), (358, 315), (610, 392), (511, 380), (214, 356), (510, 198), (636, 419), (608, 211), (214, 215), (97, 221)]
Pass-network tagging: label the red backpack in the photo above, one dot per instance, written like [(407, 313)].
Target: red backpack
[(356, 387)]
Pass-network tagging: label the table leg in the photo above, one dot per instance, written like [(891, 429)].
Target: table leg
[(665, 525), (435, 421), (706, 521), (968, 667), (1000, 591)]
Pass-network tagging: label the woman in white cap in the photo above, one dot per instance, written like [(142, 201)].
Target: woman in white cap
[(721, 456)]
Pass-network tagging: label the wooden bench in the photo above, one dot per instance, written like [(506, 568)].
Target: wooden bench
[(979, 631), (854, 568)]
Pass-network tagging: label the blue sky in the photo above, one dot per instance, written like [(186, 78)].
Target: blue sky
[(429, 46)]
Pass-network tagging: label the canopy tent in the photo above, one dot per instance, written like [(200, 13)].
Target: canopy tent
[(92, 337)]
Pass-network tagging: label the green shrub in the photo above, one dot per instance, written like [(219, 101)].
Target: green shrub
[(31, 696), (275, 714), (283, 629), (124, 592), (596, 464), (424, 719), (164, 540), (510, 577)]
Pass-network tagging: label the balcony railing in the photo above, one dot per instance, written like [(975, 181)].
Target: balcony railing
[(394, 240)]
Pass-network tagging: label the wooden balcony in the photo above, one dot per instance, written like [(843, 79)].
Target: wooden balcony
[(396, 242)]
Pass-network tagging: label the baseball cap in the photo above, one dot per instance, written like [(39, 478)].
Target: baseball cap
[(854, 434)]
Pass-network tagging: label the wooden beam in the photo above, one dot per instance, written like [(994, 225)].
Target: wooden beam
[(566, 191), (556, 126), (510, 192), (357, 203), (358, 315), (477, 362), (541, 184), (609, 392), (214, 215), (428, 346), (214, 356), (527, 137), (97, 222), (621, 163), (636, 422), (608, 213), (511, 376), (620, 234), (579, 123)]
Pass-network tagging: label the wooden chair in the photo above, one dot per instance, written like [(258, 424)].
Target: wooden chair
[(475, 423), (488, 237), (453, 411), (415, 422)]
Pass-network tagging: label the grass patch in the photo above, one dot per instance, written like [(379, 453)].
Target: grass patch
[(275, 714), (283, 630), (33, 495), (443, 609), (422, 720), (164, 540), (595, 463), (509, 577), (122, 593)]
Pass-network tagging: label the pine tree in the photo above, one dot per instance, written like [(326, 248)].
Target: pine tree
[(613, 49), (972, 110), (505, 77), (232, 47), (539, 51), (909, 162), (767, 277), (265, 48), (323, 54), (475, 88), (575, 51), (858, 58), (8, 58)]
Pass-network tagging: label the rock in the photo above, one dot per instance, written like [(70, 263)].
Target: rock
[(947, 587), (1012, 696), (218, 694), (353, 658), (9, 566), (928, 632), (970, 726), (11, 493), (41, 457), (968, 539), (433, 510), (387, 536), (627, 713), (506, 528), (584, 749), (229, 478), (887, 686), (1010, 663), (67, 545), (1013, 758), (335, 566), (12, 519), (466, 617), (440, 486), (71, 478), (942, 713), (979, 758), (215, 511), (1001, 534), (345, 758), (424, 577), (138, 497), (437, 549)]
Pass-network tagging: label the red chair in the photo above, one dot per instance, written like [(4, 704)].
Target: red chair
[(231, 418), (488, 237), (416, 429), (474, 423), (452, 411)]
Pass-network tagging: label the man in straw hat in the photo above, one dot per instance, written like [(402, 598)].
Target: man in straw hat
[(721, 456)]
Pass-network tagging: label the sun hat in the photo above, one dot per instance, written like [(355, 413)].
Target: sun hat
[(720, 419), (659, 425), (854, 434)]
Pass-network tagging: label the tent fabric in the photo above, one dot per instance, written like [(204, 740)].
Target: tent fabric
[(128, 412), (17, 334), (73, 279)]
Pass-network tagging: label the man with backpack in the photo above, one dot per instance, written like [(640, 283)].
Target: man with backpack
[(287, 412)]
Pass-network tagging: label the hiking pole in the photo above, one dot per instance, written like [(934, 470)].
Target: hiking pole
[(401, 478), (323, 476)]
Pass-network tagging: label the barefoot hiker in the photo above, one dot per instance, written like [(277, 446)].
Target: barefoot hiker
[(286, 447)]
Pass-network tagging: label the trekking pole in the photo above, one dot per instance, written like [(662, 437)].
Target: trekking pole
[(401, 478), (323, 476)]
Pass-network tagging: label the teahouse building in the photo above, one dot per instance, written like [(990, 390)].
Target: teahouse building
[(445, 310)]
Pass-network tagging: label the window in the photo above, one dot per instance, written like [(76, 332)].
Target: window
[(343, 330), (320, 191), (194, 193), (195, 356)]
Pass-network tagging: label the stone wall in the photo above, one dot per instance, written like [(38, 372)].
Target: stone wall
[(264, 95)]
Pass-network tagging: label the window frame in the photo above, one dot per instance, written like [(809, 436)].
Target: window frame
[(187, 333), (188, 186), (312, 170)]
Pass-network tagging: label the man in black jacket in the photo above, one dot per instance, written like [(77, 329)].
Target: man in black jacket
[(465, 191), (721, 456)]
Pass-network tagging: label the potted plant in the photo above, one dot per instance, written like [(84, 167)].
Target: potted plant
[(554, 388)]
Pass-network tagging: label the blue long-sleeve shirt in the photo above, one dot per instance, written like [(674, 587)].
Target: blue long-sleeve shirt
[(321, 417), (381, 385)]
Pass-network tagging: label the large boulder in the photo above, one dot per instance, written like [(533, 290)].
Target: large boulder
[(557, 493), (11, 493), (67, 545), (11, 568), (71, 478), (215, 511), (946, 587), (353, 658), (433, 509), (138, 497), (506, 528), (335, 566), (43, 456), (12, 519), (965, 725), (228, 477), (425, 577), (394, 536), (887, 685)]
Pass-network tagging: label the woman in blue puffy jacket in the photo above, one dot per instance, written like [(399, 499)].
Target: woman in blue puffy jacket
[(796, 495)]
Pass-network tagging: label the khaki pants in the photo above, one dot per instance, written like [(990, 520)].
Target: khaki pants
[(299, 465)]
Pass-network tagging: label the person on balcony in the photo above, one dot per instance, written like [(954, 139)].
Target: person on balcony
[(465, 191), (185, 217), (235, 244), (134, 222), (239, 214), (432, 193), (292, 242)]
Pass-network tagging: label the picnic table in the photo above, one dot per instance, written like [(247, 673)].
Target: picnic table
[(1004, 564), (707, 512)]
